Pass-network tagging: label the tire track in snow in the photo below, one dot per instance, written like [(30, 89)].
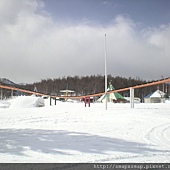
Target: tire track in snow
[(160, 135), (135, 158)]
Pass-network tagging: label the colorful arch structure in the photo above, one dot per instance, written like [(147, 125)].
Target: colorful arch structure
[(166, 80)]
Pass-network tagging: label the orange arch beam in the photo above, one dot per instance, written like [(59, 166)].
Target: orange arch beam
[(21, 90), (127, 88), (92, 95)]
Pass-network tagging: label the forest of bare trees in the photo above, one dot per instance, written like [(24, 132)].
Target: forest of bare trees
[(85, 85)]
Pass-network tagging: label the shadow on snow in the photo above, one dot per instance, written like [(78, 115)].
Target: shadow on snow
[(16, 141)]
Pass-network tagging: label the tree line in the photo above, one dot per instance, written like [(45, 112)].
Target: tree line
[(84, 85)]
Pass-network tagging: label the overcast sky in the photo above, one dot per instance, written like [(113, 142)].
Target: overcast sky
[(42, 39)]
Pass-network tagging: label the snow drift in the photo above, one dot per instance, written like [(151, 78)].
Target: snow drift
[(27, 102)]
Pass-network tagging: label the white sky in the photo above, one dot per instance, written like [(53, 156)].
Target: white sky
[(39, 41)]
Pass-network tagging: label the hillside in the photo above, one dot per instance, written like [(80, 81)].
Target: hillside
[(90, 84)]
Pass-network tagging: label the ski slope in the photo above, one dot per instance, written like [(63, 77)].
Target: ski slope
[(71, 133)]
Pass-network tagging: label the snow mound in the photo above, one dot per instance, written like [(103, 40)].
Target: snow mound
[(40, 102), (4, 104), (27, 102), (167, 101)]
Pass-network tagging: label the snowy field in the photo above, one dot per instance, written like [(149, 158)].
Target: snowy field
[(71, 133)]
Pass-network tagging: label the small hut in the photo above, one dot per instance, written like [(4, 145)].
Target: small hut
[(154, 97)]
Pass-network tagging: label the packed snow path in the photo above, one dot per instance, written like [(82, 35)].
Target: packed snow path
[(69, 132)]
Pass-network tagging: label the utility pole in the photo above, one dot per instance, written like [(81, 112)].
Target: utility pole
[(105, 75)]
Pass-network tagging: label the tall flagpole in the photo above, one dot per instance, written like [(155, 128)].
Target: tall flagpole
[(105, 75)]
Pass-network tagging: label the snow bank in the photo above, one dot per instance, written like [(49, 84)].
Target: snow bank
[(167, 101), (6, 103), (27, 102)]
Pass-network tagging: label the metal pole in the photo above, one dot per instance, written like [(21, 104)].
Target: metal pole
[(89, 101), (85, 101), (1, 94), (132, 98), (50, 101), (12, 93), (105, 75)]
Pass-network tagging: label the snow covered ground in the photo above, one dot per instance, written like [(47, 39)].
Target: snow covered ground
[(71, 133)]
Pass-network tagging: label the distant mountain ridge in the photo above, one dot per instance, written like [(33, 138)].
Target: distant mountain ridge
[(7, 82)]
